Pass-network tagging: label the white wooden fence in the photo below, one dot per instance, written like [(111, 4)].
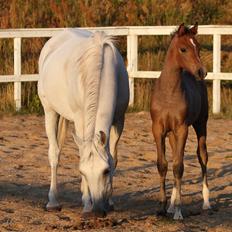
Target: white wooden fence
[(132, 33)]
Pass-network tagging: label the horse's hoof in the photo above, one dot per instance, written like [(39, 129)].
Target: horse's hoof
[(110, 208), (90, 215), (100, 214), (87, 215), (171, 209), (51, 207), (209, 211), (178, 214), (206, 206), (161, 212)]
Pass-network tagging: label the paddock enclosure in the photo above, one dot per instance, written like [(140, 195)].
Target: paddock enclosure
[(25, 174), (132, 34)]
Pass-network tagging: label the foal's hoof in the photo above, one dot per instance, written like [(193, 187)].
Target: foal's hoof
[(51, 207)]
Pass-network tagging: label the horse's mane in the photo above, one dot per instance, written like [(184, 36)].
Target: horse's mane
[(90, 65), (186, 28)]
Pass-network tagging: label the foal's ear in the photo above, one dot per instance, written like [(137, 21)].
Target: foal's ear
[(194, 29), (181, 30), (103, 139)]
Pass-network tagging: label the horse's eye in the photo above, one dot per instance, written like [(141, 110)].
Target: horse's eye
[(106, 171), (183, 50)]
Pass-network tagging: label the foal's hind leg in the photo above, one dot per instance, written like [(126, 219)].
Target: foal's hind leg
[(51, 118), (200, 129), (162, 165)]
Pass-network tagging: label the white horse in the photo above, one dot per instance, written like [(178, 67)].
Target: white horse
[(83, 79)]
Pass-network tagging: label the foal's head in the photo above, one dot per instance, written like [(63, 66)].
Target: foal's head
[(186, 51)]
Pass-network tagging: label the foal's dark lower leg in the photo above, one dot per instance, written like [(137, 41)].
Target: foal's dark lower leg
[(162, 166), (202, 155)]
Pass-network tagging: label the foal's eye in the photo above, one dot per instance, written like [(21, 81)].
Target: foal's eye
[(106, 172), (183, 50)]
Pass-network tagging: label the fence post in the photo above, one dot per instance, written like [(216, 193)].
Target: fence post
[(216, 69), (17, 73), (132, 65)]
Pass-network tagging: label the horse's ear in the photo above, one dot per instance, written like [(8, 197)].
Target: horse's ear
[(181, 30), (194, 29), (103, 139)]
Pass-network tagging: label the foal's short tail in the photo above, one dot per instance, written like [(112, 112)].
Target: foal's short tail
[(61, 131)]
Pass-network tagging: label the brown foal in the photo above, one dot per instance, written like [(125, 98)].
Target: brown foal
[(179, 100)]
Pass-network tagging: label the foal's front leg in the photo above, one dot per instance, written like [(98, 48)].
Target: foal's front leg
[(162, 166), (178, 169)]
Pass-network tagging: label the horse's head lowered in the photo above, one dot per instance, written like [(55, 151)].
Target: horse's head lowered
[(186, 51), (96, 166)]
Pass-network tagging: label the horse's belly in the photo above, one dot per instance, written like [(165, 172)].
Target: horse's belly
[(54, 91)]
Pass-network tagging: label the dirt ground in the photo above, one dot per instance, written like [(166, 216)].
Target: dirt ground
[(25, 175)]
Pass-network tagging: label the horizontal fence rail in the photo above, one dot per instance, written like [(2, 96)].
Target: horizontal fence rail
[(132, 33)]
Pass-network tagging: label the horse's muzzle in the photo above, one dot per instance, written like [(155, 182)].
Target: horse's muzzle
[(100, 209)]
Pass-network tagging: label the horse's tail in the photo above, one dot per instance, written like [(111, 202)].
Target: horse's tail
[(62, 127)]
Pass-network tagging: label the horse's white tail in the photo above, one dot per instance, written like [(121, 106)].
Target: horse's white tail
[(61, 131)]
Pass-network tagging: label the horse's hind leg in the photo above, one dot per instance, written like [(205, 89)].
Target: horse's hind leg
[(200, 129), (162, 165), (115, 133), (51, 118)]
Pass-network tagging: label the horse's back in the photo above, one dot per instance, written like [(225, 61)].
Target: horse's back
[(62, 61), (56, 69), (58, 40)]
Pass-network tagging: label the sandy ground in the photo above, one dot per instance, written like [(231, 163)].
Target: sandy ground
[(25, 175)]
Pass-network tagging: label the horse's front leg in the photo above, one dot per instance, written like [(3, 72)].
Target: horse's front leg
[(178, 169), (162, 165), (51, 118), (86, 199)]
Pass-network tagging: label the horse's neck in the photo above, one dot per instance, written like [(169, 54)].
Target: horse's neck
[(170, 78)]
